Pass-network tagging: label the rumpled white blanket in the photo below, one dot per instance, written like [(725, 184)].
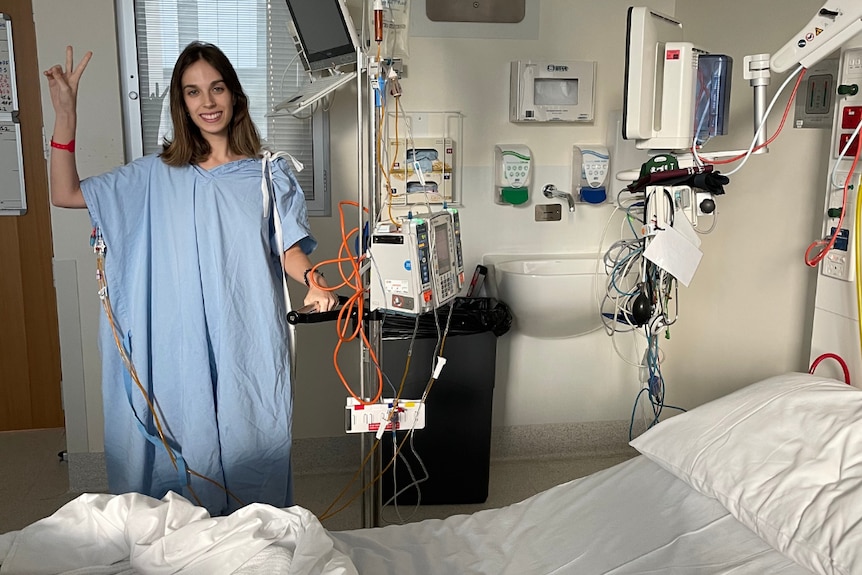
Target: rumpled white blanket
[(133, 533)]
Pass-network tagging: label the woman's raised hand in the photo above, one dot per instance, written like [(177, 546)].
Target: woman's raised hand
[(64, 84)]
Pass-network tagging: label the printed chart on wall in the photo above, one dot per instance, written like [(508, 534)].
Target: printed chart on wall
[(13, 201)]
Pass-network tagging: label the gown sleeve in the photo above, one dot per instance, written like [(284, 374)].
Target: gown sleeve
[(116, 199), (292, 208)]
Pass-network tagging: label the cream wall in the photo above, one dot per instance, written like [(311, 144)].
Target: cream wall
[(749, 311), (746, 314)]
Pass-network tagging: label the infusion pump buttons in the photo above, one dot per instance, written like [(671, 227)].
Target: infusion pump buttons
[(447, 285)]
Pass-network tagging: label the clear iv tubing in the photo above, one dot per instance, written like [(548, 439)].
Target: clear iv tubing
[(378, 21), (102, 281)]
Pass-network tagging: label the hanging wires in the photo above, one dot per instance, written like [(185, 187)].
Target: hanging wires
[(354, 307), (826, 245), (798, 74), (332, 510), (631, 276)]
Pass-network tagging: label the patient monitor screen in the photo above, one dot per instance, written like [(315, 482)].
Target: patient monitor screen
[(441, 248), (322, 29)]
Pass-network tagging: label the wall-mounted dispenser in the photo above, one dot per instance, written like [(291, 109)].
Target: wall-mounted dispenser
[(512, 174), (590, 172), (551, 91)]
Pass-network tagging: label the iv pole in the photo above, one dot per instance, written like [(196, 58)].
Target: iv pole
[(368, 121)]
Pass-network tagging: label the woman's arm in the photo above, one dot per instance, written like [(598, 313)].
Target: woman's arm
[(65, 183), (295, 264)]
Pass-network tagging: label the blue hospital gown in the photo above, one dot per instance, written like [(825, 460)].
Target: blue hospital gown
[(194, 279)]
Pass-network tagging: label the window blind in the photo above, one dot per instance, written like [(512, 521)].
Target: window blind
[(254, 36)]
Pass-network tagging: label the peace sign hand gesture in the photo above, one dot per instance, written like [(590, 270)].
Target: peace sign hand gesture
[(64, 85)]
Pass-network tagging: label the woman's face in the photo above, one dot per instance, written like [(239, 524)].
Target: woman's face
[(208, 101)]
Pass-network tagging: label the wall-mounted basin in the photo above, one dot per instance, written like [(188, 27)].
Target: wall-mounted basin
[(551, 297)]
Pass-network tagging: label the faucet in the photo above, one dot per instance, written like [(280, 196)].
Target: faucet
[(551, 191)]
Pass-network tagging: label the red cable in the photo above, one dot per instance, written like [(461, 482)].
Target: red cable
[(778, 131), (811, 262), (837, 358)]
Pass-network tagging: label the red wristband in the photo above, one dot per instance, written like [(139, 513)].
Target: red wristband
[(70, 147)]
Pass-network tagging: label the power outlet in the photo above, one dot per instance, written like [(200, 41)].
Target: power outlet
[(838, 263)]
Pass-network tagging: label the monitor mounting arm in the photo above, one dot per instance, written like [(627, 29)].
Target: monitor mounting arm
[(835, 23)]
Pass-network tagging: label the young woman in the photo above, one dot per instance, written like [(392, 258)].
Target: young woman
[(195, 241)]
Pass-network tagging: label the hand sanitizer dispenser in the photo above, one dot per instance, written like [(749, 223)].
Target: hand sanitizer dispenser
[(590, 169), (513, 174)]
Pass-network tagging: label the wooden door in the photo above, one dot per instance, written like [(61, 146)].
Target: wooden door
[(30, 394)]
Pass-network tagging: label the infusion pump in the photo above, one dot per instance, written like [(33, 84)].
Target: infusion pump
[(418, 267)]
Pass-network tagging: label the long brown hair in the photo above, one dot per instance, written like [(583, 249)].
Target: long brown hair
[(188, 145)]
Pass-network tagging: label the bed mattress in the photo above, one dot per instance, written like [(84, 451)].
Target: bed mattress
[(633, 518)]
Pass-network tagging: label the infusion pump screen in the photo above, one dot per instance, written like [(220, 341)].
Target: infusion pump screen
[(441, 248)]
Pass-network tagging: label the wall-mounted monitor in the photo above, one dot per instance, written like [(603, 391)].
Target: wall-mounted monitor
[(647, 32), (324, 32), (676, 95)]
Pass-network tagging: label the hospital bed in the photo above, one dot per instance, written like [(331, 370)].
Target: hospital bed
[(765, 480)]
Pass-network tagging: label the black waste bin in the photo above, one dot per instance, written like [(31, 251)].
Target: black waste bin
[(455, 445)]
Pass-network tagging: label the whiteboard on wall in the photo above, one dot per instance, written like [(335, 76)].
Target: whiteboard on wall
[(13, 199)]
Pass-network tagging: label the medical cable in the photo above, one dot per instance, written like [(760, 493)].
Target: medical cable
[(599, 259), (858, 272), (814, 261), (176, 458), (655, 386), (354, 307), (414, 482), (712, 225), (326, 513), (329, 512), (827, 245), (837, 358), (798, 74)]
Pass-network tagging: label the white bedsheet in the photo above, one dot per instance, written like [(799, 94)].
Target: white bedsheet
[(113, 534), (634, 518)]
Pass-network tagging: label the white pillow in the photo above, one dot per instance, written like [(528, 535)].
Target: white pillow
[(784, 456)]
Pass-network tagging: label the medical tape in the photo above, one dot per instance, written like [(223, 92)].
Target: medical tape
[(182, 470)]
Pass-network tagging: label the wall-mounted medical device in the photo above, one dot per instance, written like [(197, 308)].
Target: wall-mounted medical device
[(839, 262), (590, 171), (552, 91), (419, 266), (671, 99), (666, 204), (421, 171), (513, 174)]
